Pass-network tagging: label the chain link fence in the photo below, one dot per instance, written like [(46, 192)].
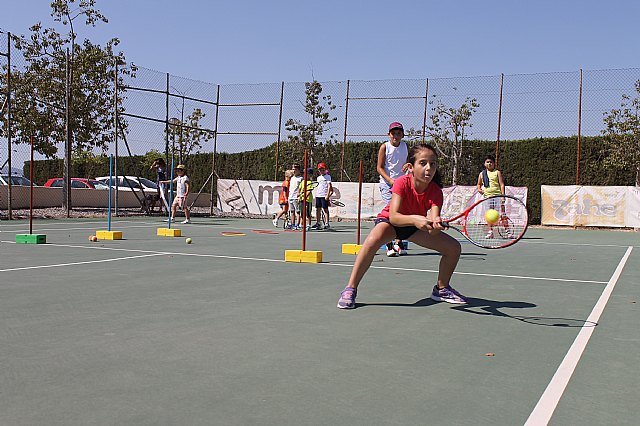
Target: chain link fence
[(179, 119)]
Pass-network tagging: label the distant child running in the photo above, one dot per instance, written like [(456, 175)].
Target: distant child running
[(490, 183), (323, 193), (283, 200), (414, 196), (182, 192), (392, 158), (295, 208)]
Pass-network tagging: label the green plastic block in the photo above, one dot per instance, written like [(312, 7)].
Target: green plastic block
[(31, 239)]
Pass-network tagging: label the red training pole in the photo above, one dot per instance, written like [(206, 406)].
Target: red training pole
[(31, 190), (359, 200), (304, 204)]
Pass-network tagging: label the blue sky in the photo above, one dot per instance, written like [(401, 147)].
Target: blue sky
[(269, 41)]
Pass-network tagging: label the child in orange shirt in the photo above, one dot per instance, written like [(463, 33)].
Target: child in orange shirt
[(284, 197)]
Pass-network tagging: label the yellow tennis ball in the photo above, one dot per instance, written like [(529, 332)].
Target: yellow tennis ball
[(188, 240), (492, 216)]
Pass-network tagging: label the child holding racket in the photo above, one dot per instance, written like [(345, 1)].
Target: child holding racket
[(413, 197), (294, 200), (182, 192), (310, 187), (323, 193), (161, 175), (491, 183), (392, 157)]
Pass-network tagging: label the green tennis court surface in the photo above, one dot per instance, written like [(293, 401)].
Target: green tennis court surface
[(149, 330)]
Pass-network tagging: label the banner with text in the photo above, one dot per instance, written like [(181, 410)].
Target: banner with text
[(261, 198), (574, 205)]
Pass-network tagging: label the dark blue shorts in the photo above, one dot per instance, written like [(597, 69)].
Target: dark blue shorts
[(322, 203), (402, 232)]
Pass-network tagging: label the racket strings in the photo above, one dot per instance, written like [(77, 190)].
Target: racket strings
[(510, 227)]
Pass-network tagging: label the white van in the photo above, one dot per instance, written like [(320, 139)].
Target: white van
[(126, 183)]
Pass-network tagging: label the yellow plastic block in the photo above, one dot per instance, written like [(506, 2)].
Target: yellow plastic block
[(303, 256), (351, 248), (166, 232), (109, 235)]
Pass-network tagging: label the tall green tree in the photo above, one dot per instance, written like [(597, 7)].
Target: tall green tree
[(318, 108), (623, 134), (449, 131), (39, 87), (187, 138)]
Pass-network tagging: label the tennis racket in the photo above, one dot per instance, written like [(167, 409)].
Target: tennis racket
[(508, 230), (337, 203), (310, 187)]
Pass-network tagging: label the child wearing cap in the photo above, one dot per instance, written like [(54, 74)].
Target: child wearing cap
[(323, 193), (392, 159), (182, 192)]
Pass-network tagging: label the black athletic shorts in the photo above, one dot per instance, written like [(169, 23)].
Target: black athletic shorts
[(402, 232), (322, 203)]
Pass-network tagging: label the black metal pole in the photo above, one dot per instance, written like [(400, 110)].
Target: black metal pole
[(275, 173), (213, 157), (67, 149), (344, 138), (9, 123)]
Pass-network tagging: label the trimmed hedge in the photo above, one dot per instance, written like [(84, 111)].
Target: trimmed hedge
[(528, 162)]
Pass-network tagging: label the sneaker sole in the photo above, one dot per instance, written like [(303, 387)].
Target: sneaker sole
[(452, 301), (345, 307)]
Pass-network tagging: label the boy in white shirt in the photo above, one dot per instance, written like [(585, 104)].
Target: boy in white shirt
[(324, 190), (294, 200)]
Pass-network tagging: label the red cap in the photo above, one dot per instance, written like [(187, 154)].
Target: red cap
[(396, 125), (322, 166)]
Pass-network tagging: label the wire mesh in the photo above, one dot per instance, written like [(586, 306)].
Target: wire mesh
[(162, 113)]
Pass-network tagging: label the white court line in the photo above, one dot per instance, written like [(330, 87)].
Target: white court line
[(541, 414), (91, 228), (78, 263), (144, 224), (59, 222), (257, 259)]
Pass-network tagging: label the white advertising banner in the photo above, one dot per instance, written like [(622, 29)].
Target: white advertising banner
[(574, 205), (261, 197), (632, 212)]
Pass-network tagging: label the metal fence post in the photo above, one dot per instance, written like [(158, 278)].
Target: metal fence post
[(344, 139), (66, 172), (9, 123), (213, 156), (275, 173), (499, 120), (579, 131), (424, 119)]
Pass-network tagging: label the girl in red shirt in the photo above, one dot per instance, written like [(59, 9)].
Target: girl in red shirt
[(414, 196)]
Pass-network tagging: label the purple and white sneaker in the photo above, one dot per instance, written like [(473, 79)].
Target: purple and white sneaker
[(448, 295), (347, 298)]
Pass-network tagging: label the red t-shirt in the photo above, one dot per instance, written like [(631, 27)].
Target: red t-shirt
[(412, 202)]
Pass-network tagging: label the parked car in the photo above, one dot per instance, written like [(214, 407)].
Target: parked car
[(77, 183), (15, 180), (125, 183)]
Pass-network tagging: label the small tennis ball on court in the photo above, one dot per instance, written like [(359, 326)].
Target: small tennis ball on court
[(492, 216), (188, 240)]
